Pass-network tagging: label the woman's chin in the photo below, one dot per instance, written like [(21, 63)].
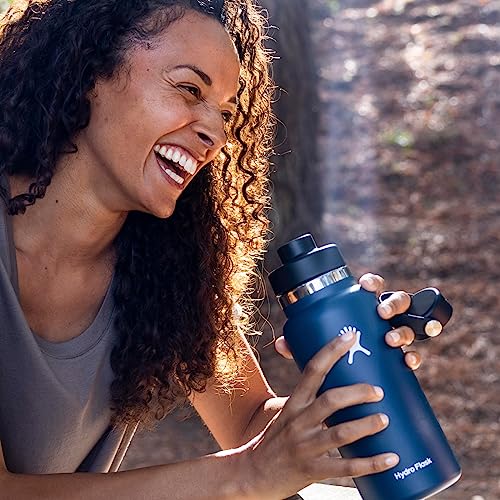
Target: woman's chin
[(163, 211), (166, 214), (160, 207)]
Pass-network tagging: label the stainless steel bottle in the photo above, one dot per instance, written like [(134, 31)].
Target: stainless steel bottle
[(321, 300)]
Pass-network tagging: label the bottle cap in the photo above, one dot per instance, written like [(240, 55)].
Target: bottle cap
[(428, 313), (302, 261)]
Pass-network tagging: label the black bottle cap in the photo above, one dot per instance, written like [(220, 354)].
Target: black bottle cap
[(302, 261)]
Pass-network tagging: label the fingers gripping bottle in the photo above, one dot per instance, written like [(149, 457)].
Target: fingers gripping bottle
[(321, 300)]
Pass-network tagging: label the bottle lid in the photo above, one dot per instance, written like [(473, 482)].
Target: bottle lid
[(303, 261)]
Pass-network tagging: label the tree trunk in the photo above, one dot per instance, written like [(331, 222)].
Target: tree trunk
[(297, 200)]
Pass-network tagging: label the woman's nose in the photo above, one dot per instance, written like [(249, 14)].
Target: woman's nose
[(210, 131)]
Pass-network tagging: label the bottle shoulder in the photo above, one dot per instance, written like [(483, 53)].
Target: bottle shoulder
[(332, 297)]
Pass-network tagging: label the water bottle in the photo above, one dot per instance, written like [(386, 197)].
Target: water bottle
[(321, 300)]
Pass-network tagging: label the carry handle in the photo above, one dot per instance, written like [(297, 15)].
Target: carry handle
[(428, 313)]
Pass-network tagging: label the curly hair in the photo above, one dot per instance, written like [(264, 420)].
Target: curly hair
[(177, 280)]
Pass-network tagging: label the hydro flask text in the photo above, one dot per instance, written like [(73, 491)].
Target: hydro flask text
[(417, 466)]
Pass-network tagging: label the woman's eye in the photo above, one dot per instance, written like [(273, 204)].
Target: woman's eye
[(192, 90), (227, 116)]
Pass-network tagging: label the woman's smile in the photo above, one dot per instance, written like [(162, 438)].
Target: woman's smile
[(177, 156), (177, 163), (170, 175)]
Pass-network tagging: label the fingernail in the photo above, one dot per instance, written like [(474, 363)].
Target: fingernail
[(411, 358), (385, 308), (347, 336), (395, 336), (384, 418), (379, 391), (391, 460), (370, 281)]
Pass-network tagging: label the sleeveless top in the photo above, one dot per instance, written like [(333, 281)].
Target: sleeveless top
[(54, 397)]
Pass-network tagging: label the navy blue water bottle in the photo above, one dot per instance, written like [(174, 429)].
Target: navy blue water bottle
[(321, 300)]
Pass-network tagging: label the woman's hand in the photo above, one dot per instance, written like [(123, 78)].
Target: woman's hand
[(296, 444), (397, 303)]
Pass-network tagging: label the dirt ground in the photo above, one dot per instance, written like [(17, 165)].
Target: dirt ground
[(410, 94)]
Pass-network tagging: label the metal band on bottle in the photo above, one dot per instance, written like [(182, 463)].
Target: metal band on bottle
[(313, 286)]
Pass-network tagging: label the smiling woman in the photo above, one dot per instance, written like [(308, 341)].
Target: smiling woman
[(129, 117), (134, 137)]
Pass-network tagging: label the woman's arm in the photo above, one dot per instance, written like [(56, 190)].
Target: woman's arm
[(229, 416), (223, 475)]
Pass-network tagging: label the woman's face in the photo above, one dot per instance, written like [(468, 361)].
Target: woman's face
[(162, 118)]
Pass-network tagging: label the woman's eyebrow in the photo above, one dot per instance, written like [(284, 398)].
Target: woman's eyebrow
[(205, 78)]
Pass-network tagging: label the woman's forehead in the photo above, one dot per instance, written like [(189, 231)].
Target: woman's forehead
[(198, 34), (194, 40)]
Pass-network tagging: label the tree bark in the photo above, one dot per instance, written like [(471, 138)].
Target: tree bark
[(297, 200)]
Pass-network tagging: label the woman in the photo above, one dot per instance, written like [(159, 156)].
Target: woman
[(115, 306)]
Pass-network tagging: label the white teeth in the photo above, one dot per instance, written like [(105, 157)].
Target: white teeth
[(173, 175), (188, 167), (192, 167), (186, 162)]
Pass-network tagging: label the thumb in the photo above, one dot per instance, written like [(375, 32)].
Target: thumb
[(282, 348)]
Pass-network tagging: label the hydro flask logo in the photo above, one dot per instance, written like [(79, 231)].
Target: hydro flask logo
[(357, 347)]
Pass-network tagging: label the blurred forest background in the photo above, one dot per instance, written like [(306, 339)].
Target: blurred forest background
[(388, 145), (391, 149)]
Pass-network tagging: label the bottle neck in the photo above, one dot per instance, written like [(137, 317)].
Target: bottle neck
[(313, 286)]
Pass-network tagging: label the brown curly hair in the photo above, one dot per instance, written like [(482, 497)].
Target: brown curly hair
[(175, 320)]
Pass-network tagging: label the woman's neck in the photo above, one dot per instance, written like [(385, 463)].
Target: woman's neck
[(71, 224)]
